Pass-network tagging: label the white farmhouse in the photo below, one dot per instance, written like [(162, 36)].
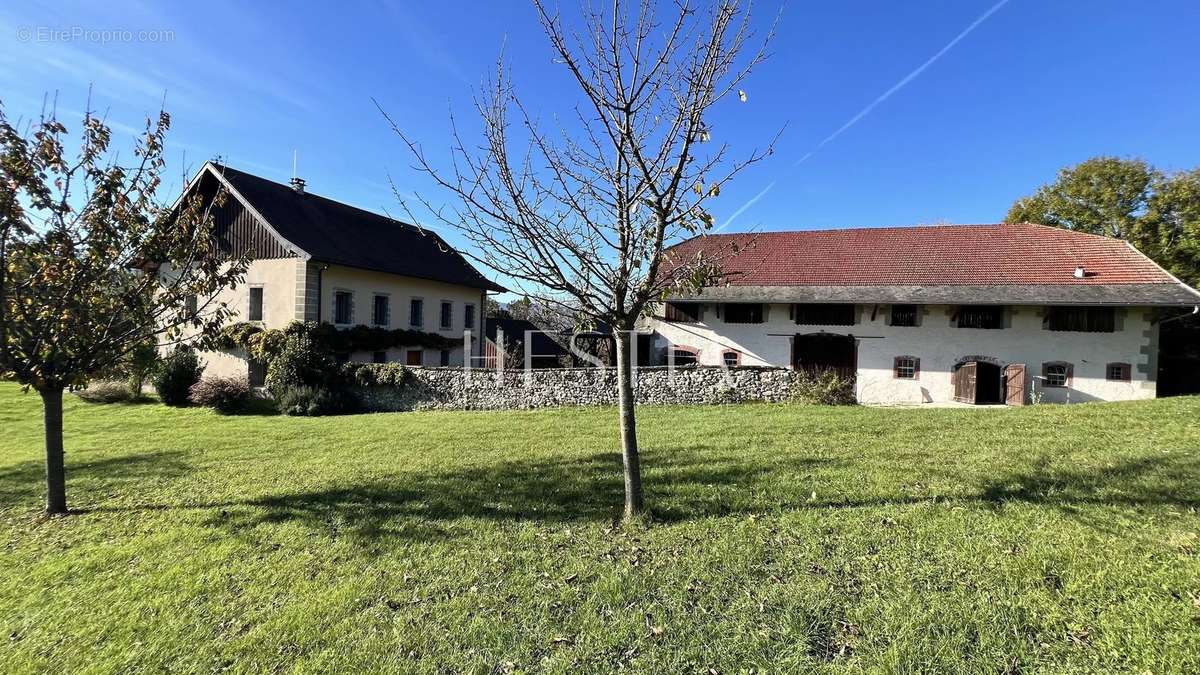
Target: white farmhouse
[(1004, 313), (316, 259)]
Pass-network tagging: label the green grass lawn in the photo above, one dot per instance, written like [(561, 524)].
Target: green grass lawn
[(784, 538)]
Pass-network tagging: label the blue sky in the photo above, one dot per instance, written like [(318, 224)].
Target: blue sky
[(1033, 87)]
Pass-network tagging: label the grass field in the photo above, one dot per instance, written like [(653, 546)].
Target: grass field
[(1058, 539)]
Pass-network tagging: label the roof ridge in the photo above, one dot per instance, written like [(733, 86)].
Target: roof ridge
[(331, 200)]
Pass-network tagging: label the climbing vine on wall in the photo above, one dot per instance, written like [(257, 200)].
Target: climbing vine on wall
[(262, 343)]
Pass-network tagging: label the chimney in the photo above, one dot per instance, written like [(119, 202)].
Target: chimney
[(1079, 271), (298, 185)]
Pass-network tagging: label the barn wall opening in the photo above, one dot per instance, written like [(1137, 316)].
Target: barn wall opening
[(820, 352)]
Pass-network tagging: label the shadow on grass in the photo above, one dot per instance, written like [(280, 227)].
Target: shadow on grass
[(682, 485), (25, 482), (570, 490)]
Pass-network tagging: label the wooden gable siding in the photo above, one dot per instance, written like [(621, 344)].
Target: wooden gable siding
[(239, 231)]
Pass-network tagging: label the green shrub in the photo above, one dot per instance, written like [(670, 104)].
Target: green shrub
[(375, 374), (138, 366), (176, 375), (226, 395), (310, 401), (300, 361), (823, 388), (106, 391)]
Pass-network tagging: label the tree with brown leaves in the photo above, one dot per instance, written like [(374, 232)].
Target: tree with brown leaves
[(92, 266)]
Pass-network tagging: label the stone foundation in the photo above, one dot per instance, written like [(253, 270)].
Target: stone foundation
[(457, 389)]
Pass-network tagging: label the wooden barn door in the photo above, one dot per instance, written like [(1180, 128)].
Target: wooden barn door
[(1014, 384), (964, 383)]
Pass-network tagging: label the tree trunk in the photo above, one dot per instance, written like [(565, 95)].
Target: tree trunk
[(629, 445), (56, 475)]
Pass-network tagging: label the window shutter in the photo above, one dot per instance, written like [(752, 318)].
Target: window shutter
[(916, 369), (1070, 374)]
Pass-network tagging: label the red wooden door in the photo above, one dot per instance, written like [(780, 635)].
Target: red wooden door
[(1014, 384), (964, 383)]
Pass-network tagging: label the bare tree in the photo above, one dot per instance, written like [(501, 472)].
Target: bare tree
[(580, 216), (92, 266)]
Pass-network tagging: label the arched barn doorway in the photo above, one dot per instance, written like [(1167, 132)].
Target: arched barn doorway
[(985, 381)]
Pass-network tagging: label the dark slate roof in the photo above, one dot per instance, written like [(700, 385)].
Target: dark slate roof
[(340, 234), (514, 333)]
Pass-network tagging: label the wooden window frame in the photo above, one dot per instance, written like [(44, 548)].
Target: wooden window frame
[(1069, 377), (408, 354), (1126, 371), (349, 295), (750, 318), (1086, 319), (916, 367), (675, 312), (737, 358), (999, 309), (817, 314), (916, 316)]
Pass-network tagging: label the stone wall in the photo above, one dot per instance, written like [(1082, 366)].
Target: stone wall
[(456, 389)]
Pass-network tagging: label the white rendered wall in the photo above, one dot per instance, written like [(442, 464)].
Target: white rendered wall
[(940, 346), (365, 284)]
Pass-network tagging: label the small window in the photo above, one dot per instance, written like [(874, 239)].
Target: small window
[(256, 303), (684, 357), (988, 317), (447, 315), (416, 313), (190, 305), (907, 367), (1081, 319), (468, 317), (379, 357), (415, 357), (444, 359), (824, 315), (744, 312), (343, 307), (1117, 372), (380, 311), (683, 312), (904, 315), (1057, 375), (731, 358)]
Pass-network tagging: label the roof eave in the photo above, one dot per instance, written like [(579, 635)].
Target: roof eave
[(1142, 295)]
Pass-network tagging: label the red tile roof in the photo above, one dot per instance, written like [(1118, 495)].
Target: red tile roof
[(943, 255)]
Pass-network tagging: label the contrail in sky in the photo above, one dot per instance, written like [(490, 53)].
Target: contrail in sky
[(871, 106)]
